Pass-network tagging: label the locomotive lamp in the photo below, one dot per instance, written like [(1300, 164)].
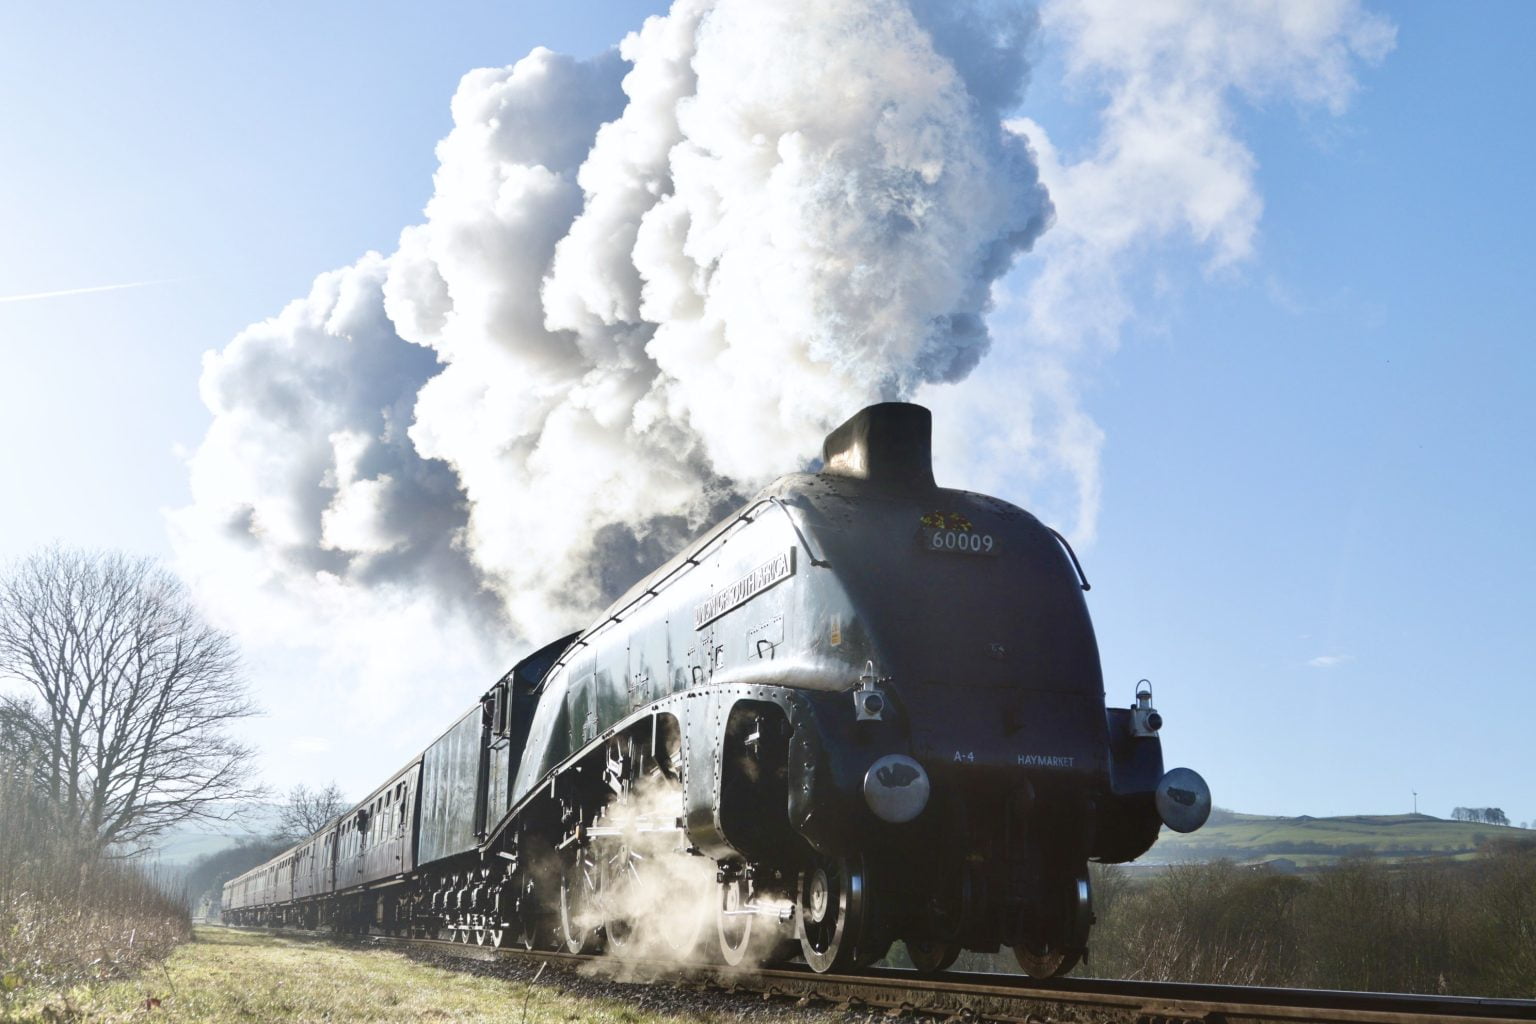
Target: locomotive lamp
[(869, 699), (870, 704), (1145, 721)]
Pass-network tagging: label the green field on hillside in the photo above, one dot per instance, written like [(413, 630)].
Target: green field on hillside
[(1308, 841)]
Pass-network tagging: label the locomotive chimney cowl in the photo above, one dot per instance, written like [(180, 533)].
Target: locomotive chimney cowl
[(890, 444)]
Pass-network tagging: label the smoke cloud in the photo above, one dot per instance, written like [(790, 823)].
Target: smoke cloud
[(1167, 175), (645, 284)]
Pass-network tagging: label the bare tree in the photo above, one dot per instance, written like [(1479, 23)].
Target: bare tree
[(21, 731), (308, 811), (135, 693), (24, 803), (21, 747)]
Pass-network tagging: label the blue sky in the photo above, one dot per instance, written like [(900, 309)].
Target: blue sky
[(1331, 456), (1314, 532)]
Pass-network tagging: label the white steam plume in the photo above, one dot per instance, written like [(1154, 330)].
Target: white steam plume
[(799, 210), (1168, 168), (650, 281)]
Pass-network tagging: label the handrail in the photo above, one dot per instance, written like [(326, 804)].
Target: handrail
[(1072, 555), (746, 515), (818, 562)]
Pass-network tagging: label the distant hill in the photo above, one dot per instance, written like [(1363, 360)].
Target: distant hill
[(1309, 842), (186, 843)]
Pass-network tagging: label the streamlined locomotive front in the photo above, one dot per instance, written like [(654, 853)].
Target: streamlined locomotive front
[(968, 769), (872, 705)]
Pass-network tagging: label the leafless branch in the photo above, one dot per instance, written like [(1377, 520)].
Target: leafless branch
[(309, 810), (135, 692)]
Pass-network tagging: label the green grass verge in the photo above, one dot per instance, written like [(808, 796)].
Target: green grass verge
[(225, 977)]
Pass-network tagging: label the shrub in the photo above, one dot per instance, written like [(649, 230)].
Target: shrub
[(69, 914), (1426, 926), (1215, 923)]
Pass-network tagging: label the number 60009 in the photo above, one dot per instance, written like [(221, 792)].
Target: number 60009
[(961, 542)]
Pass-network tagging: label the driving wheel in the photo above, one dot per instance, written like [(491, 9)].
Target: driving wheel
[(1059, 946), (620, 891), (579, 915), (931, 956), (834, 915)]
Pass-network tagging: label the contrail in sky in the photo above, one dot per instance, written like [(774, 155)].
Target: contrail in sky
[(82, 291)]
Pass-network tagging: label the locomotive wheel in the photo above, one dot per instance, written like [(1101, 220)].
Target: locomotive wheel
[(527, 934), (931, 956), (1046, 963), (531, 928), (619, 888), (683, 931), (1053, 957), (681, 925), (833, 915), (752, 939), (578, 905), (732, 925)]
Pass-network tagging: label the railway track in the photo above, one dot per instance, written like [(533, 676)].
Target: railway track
[(1003, 997)]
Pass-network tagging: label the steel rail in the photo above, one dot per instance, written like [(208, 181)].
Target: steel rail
[(1007, 997)]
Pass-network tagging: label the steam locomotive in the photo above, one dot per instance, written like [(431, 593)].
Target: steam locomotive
[(863, 709)]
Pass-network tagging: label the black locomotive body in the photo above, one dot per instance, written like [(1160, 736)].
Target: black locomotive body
[(864, 709)]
